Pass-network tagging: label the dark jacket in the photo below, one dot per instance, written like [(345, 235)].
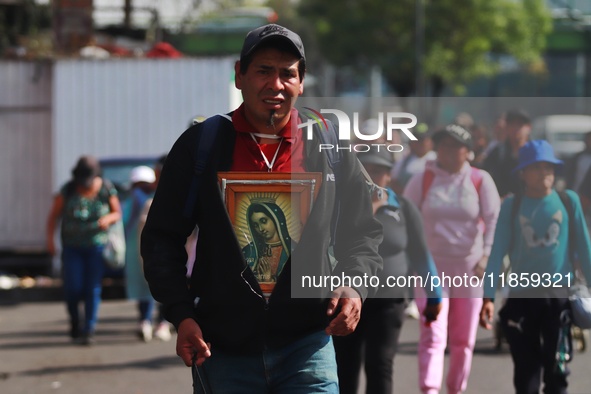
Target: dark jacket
[(404, 249), (571, 168), (500, 164), (231, 311)]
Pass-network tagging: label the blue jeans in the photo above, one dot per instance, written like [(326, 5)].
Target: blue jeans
[(146, 309), (305, 366), (83, 270)]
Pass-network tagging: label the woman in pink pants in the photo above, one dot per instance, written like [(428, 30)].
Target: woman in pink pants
[(460, 205)]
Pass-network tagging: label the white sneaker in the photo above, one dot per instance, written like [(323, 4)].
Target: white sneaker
[(146, 331), (412, 311), (162, 332)]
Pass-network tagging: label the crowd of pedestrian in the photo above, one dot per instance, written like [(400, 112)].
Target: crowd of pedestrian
[(460, 203)]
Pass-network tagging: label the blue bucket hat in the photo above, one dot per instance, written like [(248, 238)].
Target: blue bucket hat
[(535, 152)]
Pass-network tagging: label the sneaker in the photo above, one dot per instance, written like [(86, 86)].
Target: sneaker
[(412, 311), (146, 331), (162, 332), (87, 339)]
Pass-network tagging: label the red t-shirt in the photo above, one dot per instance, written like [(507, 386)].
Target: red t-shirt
[(247, 153)]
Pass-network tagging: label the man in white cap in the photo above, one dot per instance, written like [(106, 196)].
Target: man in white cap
[(142, 180)]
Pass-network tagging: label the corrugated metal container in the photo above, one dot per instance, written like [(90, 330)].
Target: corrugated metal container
[(134, 107), (51, 113), (25, 159)]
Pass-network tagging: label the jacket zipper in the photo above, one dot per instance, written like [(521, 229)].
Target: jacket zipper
[(266, 301)]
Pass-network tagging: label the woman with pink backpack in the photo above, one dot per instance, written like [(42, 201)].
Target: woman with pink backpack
[(459, 205)]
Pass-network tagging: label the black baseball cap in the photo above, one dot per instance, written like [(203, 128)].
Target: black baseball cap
[(377, 157), (517, 116), (271, 32), (456, 132)]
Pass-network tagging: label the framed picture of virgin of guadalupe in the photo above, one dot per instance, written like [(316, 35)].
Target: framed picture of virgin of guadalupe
[(268, 212)]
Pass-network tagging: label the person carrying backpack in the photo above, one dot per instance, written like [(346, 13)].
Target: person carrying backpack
[(541, 230), (236, 339), (459, 205), (87, 206), (142, 180), (501, 159), (404, 251)]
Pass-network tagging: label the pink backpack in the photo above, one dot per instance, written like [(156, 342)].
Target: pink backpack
[(428, 175)]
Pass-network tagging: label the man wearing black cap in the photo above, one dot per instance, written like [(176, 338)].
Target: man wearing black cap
[(503, 158), (238, 339)]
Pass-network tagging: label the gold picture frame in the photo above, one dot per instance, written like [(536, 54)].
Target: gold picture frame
[(268, 212)]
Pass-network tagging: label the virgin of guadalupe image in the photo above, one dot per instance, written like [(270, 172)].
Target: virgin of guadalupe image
[(271, 243)]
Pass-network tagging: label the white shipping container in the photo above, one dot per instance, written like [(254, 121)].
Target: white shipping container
[(134, 107), (25, 159), (53, 112)]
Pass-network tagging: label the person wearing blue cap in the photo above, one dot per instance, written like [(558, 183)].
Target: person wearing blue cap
[(541, 230)]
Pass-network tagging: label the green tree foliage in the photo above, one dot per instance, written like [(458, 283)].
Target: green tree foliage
[(20, 20), (461, 38)]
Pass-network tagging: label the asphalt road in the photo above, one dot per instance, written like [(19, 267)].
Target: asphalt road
[(36, 357)]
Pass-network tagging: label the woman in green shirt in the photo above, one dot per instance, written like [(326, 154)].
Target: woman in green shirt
[(87, 207)]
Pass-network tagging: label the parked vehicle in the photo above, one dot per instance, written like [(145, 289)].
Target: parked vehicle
[(118, 170), (566, 133)]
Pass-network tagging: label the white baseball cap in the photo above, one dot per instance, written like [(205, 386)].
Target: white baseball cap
[(142, 174)]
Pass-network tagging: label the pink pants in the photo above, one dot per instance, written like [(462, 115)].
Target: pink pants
[(456, 325)]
